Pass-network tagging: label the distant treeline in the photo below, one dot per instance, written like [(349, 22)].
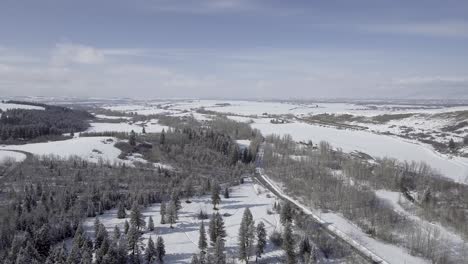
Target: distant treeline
[(27, 124)]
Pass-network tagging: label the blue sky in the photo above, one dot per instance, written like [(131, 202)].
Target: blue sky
[(235, 48)]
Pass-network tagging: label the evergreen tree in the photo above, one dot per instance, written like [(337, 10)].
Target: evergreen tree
[(226, 193), (451, 144), (133, 239), (136, 217), (261, 239), (202, 243), (219, 256), (162, 137), (172, 213), (42, 241), (126, 227), (246, 235), (288, 244), (150, 252), (101, 235), (175, 197), (150, 224), (143, 131), (305, 249), (121, 211), (117, 234), (160, 249), (195, 259), (286, 213), (132, 138), (122, 251), (163, 213), (215, 198), (216, 228)]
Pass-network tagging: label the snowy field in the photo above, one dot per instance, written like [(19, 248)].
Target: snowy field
[(93, 149), (6, 106), (11, 155), (181, 242)]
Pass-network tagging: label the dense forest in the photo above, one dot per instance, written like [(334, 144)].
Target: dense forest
[(44, 200), (17, 125)]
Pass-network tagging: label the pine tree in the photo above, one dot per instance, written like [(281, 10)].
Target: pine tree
[(172, 213), (101, 235), (122, 251), (160, 249), (136, 217), (117, 234), (215, 198), (132, 138), (143, 131), (133, 239), (219, 256), (202, 243), (246, 235), (150, 224), (163, 213), (226, 193), (162, 137), (451, 144), (305, 249), (216, 228), (288, 244), (126, 227), (150, 252), (195, 259), (286, 213), (175, 197), (121, 211), (261, 239)]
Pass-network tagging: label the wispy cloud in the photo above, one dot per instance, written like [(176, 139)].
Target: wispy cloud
[(433, 29)]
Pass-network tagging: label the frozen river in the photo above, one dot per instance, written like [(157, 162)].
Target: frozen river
[(376, 145)]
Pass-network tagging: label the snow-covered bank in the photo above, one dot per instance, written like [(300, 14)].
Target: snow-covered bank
[(93, 149), (6, 106), (11, 155), (376, 145), (181, 242)]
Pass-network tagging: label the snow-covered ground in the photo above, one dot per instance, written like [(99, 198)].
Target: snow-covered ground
[(182, 241), (93, 149), (11, 155), (6, 106)]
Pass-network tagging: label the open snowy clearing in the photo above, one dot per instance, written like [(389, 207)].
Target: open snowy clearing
[(93, 149), (455, 168), (11, 155), (6, 106), (181, 242)]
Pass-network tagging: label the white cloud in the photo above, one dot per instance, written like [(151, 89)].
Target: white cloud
[(434, 29), (425, 80), (68, 53)]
